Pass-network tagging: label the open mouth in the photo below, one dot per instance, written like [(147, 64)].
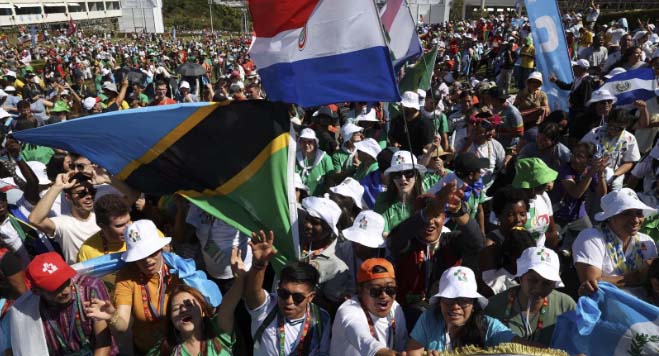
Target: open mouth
[(382, 305), (186, 319), (455, 316)]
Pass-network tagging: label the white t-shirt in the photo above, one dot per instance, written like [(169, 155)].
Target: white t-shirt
[(499, 280), (590, 248), (538, 217), (13, 241), (71, 233), (268, 344), (351, 335), (492, 150), (217, 239), (644, 171), (622, 149)]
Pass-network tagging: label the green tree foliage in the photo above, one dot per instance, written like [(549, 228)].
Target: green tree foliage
[(194, 15), (455, 12)]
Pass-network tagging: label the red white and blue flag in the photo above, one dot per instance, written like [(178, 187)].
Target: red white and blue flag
[(315, 52), (399, 25)]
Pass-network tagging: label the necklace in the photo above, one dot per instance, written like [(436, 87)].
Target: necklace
[(392, 326), (526, 321), (150, 312), (282, 334)]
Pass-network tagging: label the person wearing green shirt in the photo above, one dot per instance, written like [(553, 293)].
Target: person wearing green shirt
[(192, 327), (343, 158), (530, 310), (366, 157), (395, 205), (434, 162), (372, 128), (312, 163)]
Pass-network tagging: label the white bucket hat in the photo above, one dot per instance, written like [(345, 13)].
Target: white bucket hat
[(299, 184), (615, 203), (350, 188), (368, 117), (601, 95), (410, 100), (325, 209), (308, 133), (581, 63), (367, 229), (458, 282), (537, 76), (369, 146), (348, 130), (403, 161), (142, 240), (542, 260), (615, 71)]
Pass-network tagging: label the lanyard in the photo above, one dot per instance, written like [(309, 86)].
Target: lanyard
[(150, 312), (105, 245), (303, 335), (525, 320), (392, 326), (75, 323)]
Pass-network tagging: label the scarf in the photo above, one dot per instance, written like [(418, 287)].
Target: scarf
[(477, 188), (621, 263)]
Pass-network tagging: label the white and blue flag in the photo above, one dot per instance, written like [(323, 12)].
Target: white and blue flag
[(609, 322), (551, 55), (637, 84)]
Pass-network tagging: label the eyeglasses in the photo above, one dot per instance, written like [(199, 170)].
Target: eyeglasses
[(409, 174), (375, 292), (297, 297), (78, 166), (462, 302), (84, 193)]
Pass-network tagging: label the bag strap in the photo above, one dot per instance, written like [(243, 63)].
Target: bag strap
[(268, 319)]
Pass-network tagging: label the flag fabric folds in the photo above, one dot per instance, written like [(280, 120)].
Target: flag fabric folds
[(551, 55), (312, 52), (232, 160), (609, 322), (637, 84), (420, 74), (399, 26)]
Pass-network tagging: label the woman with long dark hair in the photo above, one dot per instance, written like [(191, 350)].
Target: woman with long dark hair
[(456, 318)]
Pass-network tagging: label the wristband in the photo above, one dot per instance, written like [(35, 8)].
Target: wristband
[(259, 266)]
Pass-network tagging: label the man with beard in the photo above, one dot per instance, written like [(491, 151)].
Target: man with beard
[(371, 323), (55, 309), (70, 231)]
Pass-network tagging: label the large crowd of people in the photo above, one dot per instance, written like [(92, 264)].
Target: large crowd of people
[(472, 213)]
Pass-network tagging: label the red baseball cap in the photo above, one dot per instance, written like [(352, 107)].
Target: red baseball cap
[(48, 271)]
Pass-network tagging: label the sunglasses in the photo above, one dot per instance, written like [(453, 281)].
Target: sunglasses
[(375, 292), (297, 297), (408, 174), (462, 302), (84, 193)]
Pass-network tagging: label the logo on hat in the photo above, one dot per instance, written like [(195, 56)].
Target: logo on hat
[(544, 256), (623, 86), (134, 235), (400, 159), (363, 223), (460, 275), (49, 268)]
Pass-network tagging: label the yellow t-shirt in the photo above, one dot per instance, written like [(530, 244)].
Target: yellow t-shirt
[(527, 54), (586, 39), (128, 291), (93, 247)]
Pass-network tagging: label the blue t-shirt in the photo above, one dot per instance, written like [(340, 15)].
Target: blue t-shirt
[(430, 331)]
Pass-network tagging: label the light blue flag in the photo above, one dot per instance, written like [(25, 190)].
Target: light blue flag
[(174, 33), (637, 84), (551, 55), (609, 322), (101, 266)]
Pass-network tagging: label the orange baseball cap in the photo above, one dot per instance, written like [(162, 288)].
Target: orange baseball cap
[(375, 268)]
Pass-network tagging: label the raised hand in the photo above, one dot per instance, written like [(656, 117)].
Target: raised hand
[(100, 176), (262, 248), (237, 264), (64, 182), (99, 309)]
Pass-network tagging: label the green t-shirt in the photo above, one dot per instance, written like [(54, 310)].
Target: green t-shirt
[(31, 152), (393, 214), (440, 123), (225, 340), (363, 171), (314, 177), (340, 161), (558, 303)]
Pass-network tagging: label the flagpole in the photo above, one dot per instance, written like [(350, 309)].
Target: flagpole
[(210, 11)]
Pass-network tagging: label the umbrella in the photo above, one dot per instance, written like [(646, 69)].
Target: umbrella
[(135, 76), (190, 70)]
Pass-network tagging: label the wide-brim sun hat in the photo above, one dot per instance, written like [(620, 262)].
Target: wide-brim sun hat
[(348, 130), (370, 116), (308, 134), (615, 203), (404, 161), (601, 95), (535, 76), (324, 209), (543, 261), (615, 71), (142, 240), (369, 146), (410, 100), (350, 188), (367, 230), (532, 172), (458, 282)]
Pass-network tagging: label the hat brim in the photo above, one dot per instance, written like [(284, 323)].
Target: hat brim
[(593, 101), (482, 301), (405, 167), (317, 215), (545, 272), (647, 211), (140, 253), (358, 235)]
